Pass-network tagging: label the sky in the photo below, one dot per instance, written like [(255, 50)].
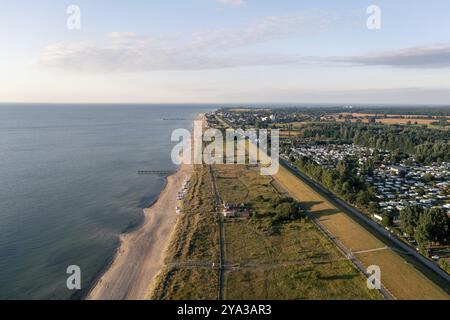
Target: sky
[(225, 51)]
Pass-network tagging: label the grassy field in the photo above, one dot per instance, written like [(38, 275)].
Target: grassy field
[(412, 121), (194, 247), (290, 128), (285, 133), (240, 183), (397, 119), (410, 116), (187, 284), (336, 280), (294, 124), (406, 121), (290, 261), (293, 261), (402, 279)]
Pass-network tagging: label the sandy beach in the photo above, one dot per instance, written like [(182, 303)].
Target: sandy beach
[(140, 255)]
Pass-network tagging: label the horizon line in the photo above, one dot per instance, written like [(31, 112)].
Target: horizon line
[(248, 104)]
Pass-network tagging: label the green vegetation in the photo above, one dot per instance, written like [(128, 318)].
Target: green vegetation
[(441, 123), (400, 275), (445, 265), (427, 145), (195, 247), (388, 218), (430, 226), (278, 253), (337, 280), (193, 283), (343, 181)]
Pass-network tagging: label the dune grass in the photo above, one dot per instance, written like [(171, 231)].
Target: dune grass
[(195, 242), (187, 284)]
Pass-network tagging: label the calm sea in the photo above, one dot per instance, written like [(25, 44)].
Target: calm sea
[(69, 186)]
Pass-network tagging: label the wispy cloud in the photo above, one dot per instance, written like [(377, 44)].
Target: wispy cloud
[(433, 56), (225, 48), (137, 54), (128, 52), (269, 28), (231, 2)]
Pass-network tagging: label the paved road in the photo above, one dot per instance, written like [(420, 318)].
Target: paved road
[(377, 230)]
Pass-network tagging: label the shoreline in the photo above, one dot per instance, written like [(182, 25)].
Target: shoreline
[(139, 256), (95, 281)]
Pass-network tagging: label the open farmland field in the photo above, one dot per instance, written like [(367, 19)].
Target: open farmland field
[(290, 261), (290, 128), (394, 119), (285, 133), (406, 121), (409, 116), (419, 121), (296, 124), (402, 279)]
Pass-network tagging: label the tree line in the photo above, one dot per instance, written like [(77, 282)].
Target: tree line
[(343, 180), (426, 145), (427, 226)]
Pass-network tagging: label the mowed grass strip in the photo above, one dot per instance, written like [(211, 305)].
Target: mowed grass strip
[(400, 277), (396, 273)]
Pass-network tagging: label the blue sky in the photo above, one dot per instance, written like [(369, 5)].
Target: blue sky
[(225, 51)]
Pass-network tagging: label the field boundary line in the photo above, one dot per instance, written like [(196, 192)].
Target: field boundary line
[(371, 250)]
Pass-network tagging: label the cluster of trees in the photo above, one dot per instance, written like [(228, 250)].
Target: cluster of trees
[(286, 209), (429, 226), (427, 145), (380, 111), (343, 180), (410, 110), (441, 122)]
